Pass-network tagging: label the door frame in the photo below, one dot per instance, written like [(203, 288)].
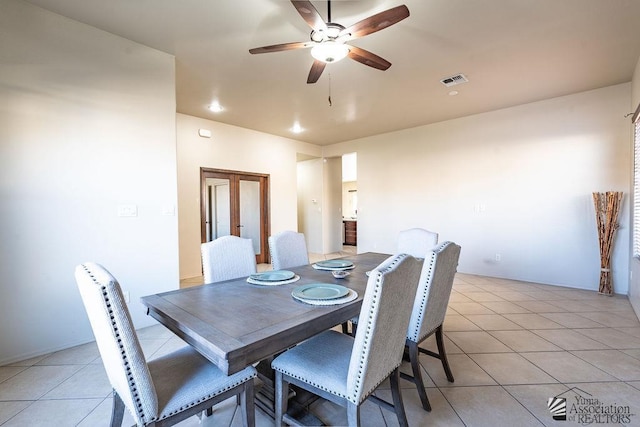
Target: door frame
[(234, 178)]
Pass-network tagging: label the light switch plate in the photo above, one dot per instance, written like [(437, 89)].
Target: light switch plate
[(127, 210)]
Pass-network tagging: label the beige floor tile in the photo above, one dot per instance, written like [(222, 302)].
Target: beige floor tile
[(504, 307), (29, 362), (633, 331), (483, 296), (515, 296), (7, 372), (492, 322), (511, 368), (470, 308), (78, 355), (67, 412), (488, 407), (532, 321), (610, 319), (612, 337), (457, 322), (539, 295), (441, 415), (477, 342), (572, 320), (465, 287), (458, 297), (524, 341), (576, 294), (465, 372), (9, 409), (633, 353), (332, 414), (569, 339), (89, 382), (540, 307), (34, 382), (572, 306), (534, 397), (614, 362), (565, 367)]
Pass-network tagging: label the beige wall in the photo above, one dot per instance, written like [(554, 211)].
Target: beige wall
[(515, 182), (232, 148), (87, 123), (634, 284)]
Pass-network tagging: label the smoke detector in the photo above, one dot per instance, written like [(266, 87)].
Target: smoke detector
[(454, 80)]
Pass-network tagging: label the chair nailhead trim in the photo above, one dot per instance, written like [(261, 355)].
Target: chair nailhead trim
[(116, 332)]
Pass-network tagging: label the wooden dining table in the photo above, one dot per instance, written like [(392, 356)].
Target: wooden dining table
[(235, 324)]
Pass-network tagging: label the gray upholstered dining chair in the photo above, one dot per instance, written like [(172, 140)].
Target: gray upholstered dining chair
[(346, 370), (163, 391), (429, 309), (413, 241), (416, 241), (288, 249), (226, 258)]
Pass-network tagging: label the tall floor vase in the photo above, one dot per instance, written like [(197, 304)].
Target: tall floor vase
[(607, 206)]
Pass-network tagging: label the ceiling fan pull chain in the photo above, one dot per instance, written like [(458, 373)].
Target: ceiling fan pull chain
[(330, 103)]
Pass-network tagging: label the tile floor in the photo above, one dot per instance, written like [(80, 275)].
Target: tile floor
[(511, 345)]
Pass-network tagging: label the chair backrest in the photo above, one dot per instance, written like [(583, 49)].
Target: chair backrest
[(432, 297), (117, 341), (416, 242), (382, 325), (288, 249), (226, 258)]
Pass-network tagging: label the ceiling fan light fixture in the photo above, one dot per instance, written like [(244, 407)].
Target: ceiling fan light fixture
[(330, 51)]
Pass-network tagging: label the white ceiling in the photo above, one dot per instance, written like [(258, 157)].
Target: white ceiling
[(512, 52)]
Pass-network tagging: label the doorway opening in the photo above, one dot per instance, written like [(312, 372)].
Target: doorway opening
[(235, 203)]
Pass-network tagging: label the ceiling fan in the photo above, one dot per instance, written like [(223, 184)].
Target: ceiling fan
[(328, 39)]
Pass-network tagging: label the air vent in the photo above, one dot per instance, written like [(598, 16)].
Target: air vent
[(454, 80)]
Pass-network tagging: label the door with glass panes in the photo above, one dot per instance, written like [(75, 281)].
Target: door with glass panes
[(235, 203)]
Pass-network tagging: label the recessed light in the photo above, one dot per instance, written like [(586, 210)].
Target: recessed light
[(296, 128), (453, 93), (216, 107)]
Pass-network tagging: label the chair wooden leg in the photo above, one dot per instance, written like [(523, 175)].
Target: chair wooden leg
[(353, 415), (281, 392), (345, 328), (443, 354), (397, 398), (247, 405), (414, 358), (117, 411)]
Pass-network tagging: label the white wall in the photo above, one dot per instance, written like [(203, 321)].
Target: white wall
[(310, 201), (232, 148), (515, 182), (87, 123), (332, 206), (634, 284)]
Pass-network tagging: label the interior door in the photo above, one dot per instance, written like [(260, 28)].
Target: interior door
[(236, 203)]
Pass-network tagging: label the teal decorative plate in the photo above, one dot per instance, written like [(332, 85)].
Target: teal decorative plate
[(320, 291), (334, 263), (273, 276)]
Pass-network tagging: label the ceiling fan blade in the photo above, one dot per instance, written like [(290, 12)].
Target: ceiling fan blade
[(376, 22), (281, 47), (316, 71), (310, 14), (367, 58)]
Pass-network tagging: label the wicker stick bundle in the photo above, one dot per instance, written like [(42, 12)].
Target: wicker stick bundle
[(607, 207)]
